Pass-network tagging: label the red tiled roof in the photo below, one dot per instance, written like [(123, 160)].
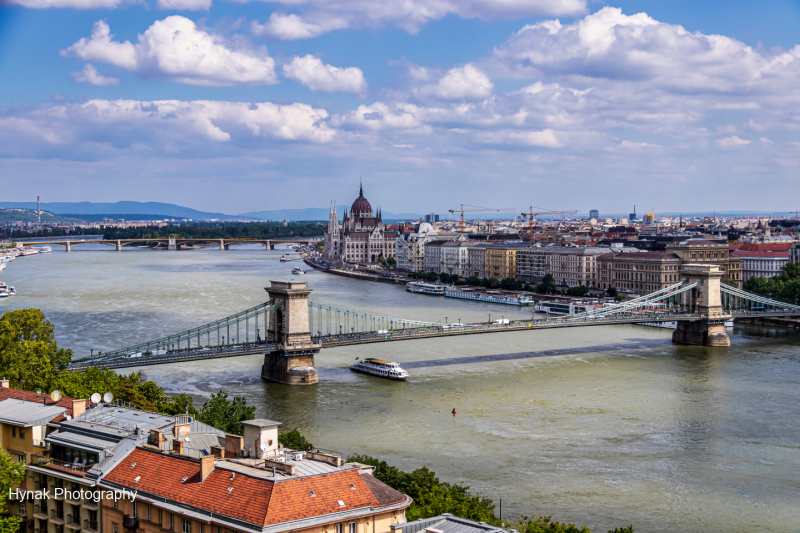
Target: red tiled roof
[(254, 500), (648, 255), (766, 247), (38, 398)]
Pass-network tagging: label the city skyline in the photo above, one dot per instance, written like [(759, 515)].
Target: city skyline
[(568, 105)]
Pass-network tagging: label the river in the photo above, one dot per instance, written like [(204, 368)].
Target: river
[(602, 426)]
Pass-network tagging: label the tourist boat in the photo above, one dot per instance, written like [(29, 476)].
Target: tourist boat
[(297, 270), (425, 288), (494, 297), (6, 291), (561, 308), (28, 251), (382, 369), (285, 259), (45, 250)]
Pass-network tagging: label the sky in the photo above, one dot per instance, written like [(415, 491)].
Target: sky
[(246, 105)]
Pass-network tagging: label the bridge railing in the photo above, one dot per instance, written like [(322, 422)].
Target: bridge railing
[(735, 298)]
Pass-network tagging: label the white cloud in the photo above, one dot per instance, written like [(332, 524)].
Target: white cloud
[(321, 16), (379, 116), (176, 50), (161, 124), (732, 142), (545, 138), (90, 75), (74, 4), (460, 83), (611, 46), (185, 5), (317, 76), (291, 27)]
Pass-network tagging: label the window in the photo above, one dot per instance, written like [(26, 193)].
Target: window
[(339, 528), (114, 505), (202, 528), (14, 431), (134, 512), (22, 433), (149, 512), (352, 527), (116, 528), (186, 526), (171, 522)]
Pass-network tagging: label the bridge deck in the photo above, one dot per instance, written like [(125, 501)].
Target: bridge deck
[(332, 341)]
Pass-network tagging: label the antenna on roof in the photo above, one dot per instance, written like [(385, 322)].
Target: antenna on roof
[(95, 398), (107, 397), (55, 395)]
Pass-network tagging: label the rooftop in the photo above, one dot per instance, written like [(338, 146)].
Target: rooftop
[(26, 413)]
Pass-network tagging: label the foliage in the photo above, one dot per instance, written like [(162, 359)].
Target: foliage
[(581, 290), (225, 414), (431, 496), (511, 284), (628, 529), (545, 524), (612, 292), (12, 475), (127, 392), (785, 287), (29, 355), (728, 282), (473, 280), (294, 440), (388, 262), (227, 230), (528, 287), (444, 277), (548, 285)]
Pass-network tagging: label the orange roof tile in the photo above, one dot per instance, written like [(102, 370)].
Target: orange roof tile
[(254, 500)]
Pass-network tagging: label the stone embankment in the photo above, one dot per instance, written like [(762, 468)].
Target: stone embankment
[(366, 276)]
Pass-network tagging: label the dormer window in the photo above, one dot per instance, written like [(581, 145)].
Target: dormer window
[(312, 493)]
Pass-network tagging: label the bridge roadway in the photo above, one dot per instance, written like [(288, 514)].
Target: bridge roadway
[(332, 341), (224, 243)]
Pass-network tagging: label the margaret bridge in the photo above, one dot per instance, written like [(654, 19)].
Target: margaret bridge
[(297, 327), (172, 243)]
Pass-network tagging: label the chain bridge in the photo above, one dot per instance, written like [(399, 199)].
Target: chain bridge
[(289, 328)]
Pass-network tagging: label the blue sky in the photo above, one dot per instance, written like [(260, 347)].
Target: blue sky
[(239, 106)]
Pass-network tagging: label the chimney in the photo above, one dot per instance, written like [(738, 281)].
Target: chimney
[(78, 407), (156, 438), (206, 466), (233, 445), (181, 430), (4, 383), (218, 452), (177, 447)]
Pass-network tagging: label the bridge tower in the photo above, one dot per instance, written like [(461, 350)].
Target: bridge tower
[(706, 300), (293, 363)]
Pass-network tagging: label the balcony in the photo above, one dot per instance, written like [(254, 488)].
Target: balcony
[(57, 517), (69, 499), (73, 522), (90, 526), (40, 511), (90, 504), (44, 460), (130, 522)]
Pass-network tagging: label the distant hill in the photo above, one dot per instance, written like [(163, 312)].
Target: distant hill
[(30, 215), (155, 209)]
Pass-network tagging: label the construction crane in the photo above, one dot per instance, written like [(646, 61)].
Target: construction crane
[(477, 209), (531, 214)]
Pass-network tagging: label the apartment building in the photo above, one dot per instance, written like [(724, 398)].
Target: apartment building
[(455, 258), (642, 273), (476, 260), (501, 260), (124, 470), (762, 263), (573, 267), (531, 264)]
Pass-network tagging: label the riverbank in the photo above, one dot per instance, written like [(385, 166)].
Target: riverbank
[(356, 275)]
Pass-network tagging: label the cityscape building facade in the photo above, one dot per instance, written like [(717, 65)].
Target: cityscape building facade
[(361, 238)]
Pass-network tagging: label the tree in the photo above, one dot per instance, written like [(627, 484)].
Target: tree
[(548, 285), (511, 284), (127, 392), (12, 475), (581, 290), (84, 383), (181, 404), (294, 440), (226, 415), (612, 292), (29, 355), (473, 280), (545, 524)]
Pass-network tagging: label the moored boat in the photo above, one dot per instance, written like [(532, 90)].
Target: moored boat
[(28, 251), (425, 288), (44, 250), (379, 368)]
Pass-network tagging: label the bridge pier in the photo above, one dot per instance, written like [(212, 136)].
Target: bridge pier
[(222, 245), (293, 363), (706, 300), (171, 244), (119, 246), (68, 246)]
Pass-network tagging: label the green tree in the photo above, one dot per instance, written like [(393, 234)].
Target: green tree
[(128, 392), (581, 290), (181, 404), (473, 280), (511, 284), (548, 285), (294, 440), (29, 355), (12, 476), (628, 529), (86, 382), (225, 414), (545, 524)]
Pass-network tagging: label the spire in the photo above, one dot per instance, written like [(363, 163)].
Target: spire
[(360, 187)]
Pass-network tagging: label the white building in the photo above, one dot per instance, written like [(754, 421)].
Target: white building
[(761, 263)]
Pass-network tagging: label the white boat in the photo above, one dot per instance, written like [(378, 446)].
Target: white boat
[(285, 259), (2, 266), (561, 308), (297, 270), (425, 288), (382, 369), (488, 296), (45, 250), (28, 251), (6, 291)]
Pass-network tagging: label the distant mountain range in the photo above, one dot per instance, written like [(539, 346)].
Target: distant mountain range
[(138, 210), (159, 210)]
